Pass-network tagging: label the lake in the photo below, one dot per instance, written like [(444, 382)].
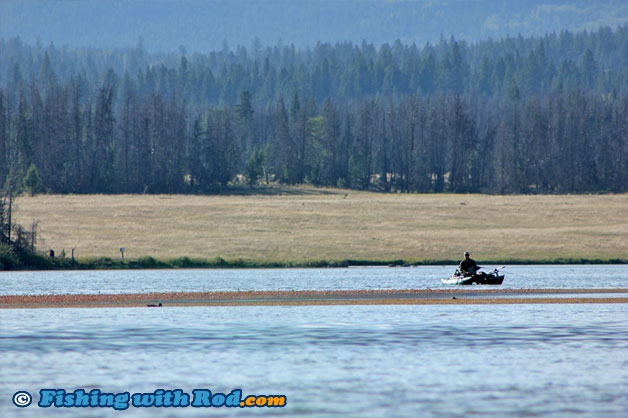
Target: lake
[(353, 278), (366, 361)]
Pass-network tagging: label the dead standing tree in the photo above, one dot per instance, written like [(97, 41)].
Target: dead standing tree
[(13, 234), (6, 212)]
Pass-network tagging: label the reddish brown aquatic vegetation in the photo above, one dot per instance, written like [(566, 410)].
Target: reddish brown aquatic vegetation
[(310, 297)]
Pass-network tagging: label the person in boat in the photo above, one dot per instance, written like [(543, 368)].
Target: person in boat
[(468, 266)]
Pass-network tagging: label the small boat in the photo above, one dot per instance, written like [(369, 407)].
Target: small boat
[(491, 278)]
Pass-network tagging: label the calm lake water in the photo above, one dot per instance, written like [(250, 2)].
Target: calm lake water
[(437, 360), (206, 280), (367, 361)]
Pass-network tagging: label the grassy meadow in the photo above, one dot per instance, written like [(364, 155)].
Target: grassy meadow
[(307, 224)]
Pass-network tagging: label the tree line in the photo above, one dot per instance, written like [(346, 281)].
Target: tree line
[(594, 61), (493, 117)]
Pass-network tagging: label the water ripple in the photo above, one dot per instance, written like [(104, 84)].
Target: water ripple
[(267, 337)]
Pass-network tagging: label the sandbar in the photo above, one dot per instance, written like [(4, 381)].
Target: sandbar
[(326, 297)]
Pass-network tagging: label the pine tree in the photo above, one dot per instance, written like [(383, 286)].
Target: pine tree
[(32, 182), (254, 167)]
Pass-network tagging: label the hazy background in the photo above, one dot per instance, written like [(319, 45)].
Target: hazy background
[(204, 25)]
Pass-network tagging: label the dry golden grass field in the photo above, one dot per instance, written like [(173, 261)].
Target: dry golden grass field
[(317, 224)]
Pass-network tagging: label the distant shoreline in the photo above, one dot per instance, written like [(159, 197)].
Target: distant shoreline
[(44, 263)]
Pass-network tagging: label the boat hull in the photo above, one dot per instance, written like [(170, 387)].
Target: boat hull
[(485, 279)]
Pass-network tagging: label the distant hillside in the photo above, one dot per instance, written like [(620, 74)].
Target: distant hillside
[(201, 25)]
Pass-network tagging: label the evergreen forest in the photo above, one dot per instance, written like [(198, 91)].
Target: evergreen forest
[(516, 115)]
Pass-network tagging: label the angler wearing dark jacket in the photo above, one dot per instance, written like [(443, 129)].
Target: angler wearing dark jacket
[(468, 266)]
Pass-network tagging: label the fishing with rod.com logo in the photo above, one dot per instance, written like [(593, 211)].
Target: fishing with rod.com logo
[(160, 398)]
